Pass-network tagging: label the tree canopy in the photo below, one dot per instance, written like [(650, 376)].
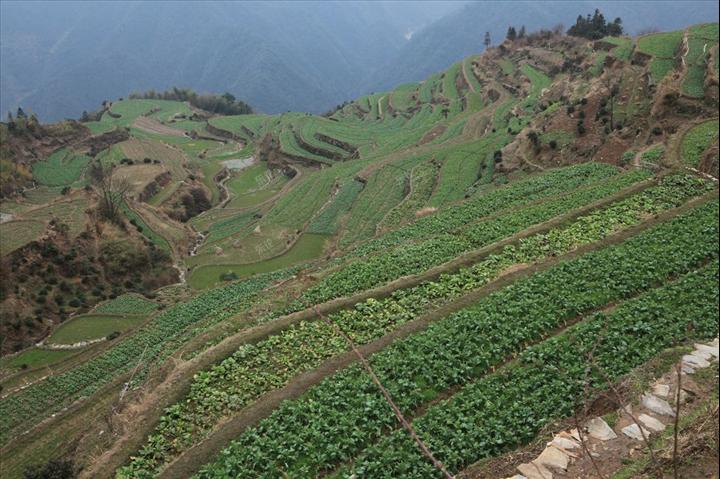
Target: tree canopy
[(225, 104), (595, 26)]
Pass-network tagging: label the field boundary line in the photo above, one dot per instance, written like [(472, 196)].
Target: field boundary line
[(229, 428)]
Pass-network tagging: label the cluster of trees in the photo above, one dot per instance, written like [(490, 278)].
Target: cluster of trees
[(225, 104), (595, 26), (22, 121), (513, 34)]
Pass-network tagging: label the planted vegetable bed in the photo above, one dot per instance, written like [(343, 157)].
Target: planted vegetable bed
[(150, 344), (254, 369), (413, 258), (345, 414), (506, 410)]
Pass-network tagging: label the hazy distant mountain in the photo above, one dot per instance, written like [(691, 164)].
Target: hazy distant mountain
[(461, 33), (60, 58)]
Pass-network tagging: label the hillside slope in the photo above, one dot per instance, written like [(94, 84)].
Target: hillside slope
[(552, 195)]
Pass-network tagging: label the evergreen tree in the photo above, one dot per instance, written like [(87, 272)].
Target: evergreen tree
[(511, 34), (521, 33), (487, 41)]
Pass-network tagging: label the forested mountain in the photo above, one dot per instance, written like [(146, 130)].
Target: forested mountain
[(279, 56), (299, 56)]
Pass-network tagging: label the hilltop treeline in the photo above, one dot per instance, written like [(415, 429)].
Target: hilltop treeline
[(225, 104), (596, 27)]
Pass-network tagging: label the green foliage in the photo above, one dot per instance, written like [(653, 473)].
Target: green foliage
[(599, 64), (701, 39), (213, 391), (128, 304), (88, 327), (654, 154), (149, 345), (224, 104), (538, 82), (446, 244), (624, 47), (347, 411), (561, 138), (62, 168), (231, 226), (595, 27), (328, 220), (662, 47), (422, 182), (549, 380), (697, 140), (138, 223)]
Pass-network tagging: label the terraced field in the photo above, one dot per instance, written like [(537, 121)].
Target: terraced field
[(662, 47), (92, 327), (62, 168), (697, 140), (473, 265), (701, 39), (370, 320)]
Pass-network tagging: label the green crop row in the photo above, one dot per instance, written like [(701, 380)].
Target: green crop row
[(337, 419), (654, 154), (142, 348), (508, 409), (128, 304), (461, 168), (62, 168), (623, 48), (507, 198), (697, 140), (328, 220), (143, 228), (422, 181), (253, 370), (231, 226), (384, 190), (417, 257)]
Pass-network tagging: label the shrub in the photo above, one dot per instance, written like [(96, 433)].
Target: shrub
[(230, 276)]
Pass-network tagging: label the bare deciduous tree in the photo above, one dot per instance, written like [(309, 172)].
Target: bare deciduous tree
[(111, 187)]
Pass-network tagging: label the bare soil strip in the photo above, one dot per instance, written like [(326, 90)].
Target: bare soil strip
[(150, 125)]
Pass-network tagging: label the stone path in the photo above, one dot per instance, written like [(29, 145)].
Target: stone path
[(633, 427)]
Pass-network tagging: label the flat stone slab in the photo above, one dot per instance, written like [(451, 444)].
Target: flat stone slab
[(633, 432), (657, 405), (702, 354), (564, 442), (713, 350), (695, 361), (535, 471), (517, 476), (661, 390), (651, 423), (599, 429), (687, 369), (552, 457)]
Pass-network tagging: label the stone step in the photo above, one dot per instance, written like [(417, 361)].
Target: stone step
[(633, 432), (599, 429), (651, 423), (657, 405)]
